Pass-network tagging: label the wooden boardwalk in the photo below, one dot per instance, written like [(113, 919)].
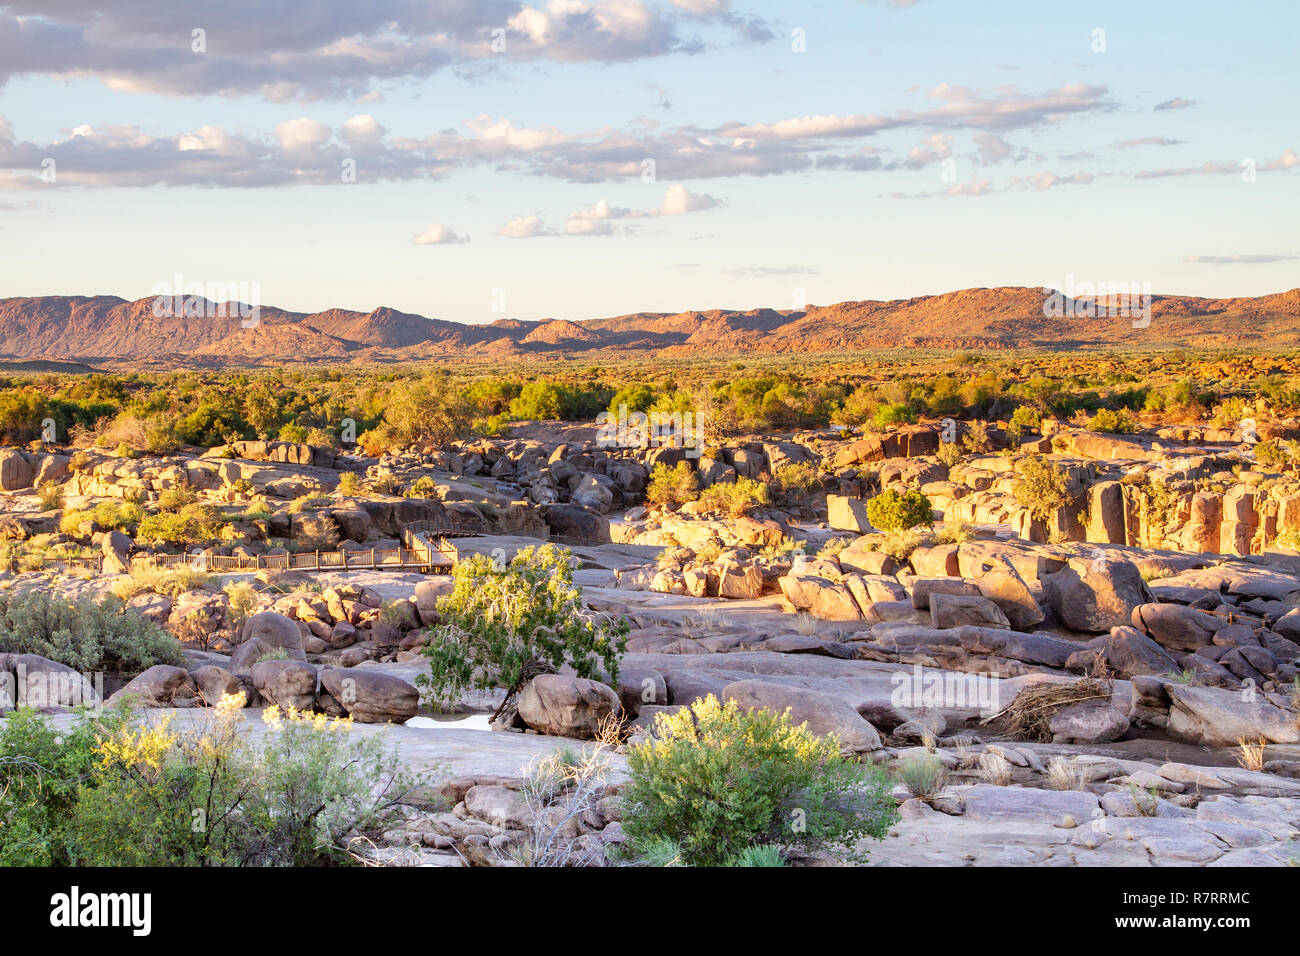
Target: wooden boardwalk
[(425, 547)]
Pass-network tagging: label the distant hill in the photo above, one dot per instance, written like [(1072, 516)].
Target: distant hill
[(106, 327)]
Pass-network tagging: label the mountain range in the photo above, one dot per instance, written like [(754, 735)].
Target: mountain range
[(110, 329)]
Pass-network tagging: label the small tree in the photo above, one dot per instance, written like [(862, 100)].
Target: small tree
[(890, 511), (504, 626), (1041, 488)]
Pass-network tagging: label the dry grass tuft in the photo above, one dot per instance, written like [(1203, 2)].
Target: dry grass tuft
[(1250, 753)]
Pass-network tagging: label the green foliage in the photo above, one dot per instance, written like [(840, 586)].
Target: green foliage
[(499, 621), (1118, 422), (672, 486), (108, 791), (1041, 488), (349, 484), (763, 855), (193, 523), (110, 516), (422, 487), (891, 511), (734, 498), (41, 773), (719, 781), (86, 635), (51, 496), (924, 776), (889, 415), (427, 412)]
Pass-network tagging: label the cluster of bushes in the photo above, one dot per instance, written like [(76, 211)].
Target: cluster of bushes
[(86, 635), (108, 791), (680, 484)]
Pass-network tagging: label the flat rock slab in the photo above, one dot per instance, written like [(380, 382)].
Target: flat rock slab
[(1031, 805)]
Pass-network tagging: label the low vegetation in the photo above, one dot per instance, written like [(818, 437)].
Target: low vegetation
[(718, 783)]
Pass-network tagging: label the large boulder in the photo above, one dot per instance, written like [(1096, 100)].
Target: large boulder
[(39, 682), (162, 685), (371, 696), (956, 610), (847, 514), (214, 682), (564, 706), (575, 521), (273, 630), (737, 580), (1095, 595), (1002, 584), (286, 683), (1126, 652), (427, 593), (1216, 717), (1088, 722), (823, 713), (116, 548), (15, 470), (1176, 626)]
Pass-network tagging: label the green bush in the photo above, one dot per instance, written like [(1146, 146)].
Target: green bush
[(193, 523), (41, 773), (672, 486), (112, 791), (888, 415), (890, 511), (735, 498), (86, 635), (719, 781), (1113, 422), (502, 624), (1041, 488)]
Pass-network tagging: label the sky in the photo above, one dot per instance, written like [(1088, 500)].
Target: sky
[(474, 160)]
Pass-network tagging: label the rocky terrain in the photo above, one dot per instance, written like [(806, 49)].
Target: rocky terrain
[(1112, 682), (107, 327)]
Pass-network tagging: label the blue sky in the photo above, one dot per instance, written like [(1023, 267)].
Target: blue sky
[(909, 149)]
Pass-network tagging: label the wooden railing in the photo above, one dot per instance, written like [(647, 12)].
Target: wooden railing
[(424, 547)]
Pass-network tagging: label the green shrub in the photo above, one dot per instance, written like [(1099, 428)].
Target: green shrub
[(208, 795), (734, 498), (1041, 488), (51, 496), (422, 487), (503, 624), (86, 635), (41, 773), (193, 523), (719, 781), (1119, 422), (349, 484), (888, 415), (672, 486), (890, 511), (924, 776)]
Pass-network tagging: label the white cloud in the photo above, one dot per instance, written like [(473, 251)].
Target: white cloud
[(524, 227), (439, 235), (679, 200), (302, 135), (363, 130)]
